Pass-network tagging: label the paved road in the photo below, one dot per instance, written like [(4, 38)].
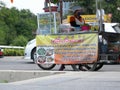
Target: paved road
[(18, 63), (108, 78)]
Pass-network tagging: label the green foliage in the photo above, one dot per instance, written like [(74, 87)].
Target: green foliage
[(109, 1), (14, 22), (89, 7), (55, 1), (20, 41), (112, 9), (3, 81), (13, 52)]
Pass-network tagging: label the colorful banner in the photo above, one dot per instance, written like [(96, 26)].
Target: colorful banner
[(92, 18), (67, 49)]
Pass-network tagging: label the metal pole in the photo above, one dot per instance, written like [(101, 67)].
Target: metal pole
[(97, 16), (96, 5), (61, 10), (101, 21), (50, 15), (50, 6)]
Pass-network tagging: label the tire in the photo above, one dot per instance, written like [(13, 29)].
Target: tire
[(90, 67), (75, 68), (99, 66), (94, 66), (80, 67), (46, 66), (33, 55), (42, 66)]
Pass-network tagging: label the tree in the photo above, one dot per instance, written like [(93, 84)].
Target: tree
[(2, 4), (20, 41), (109, 1), (110, 6), (112, 9), (88, 6), (14, 22)]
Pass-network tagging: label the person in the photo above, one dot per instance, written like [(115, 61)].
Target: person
[(73, 66), (80, 67), (76, 20)]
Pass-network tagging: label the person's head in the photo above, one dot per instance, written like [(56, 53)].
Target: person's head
[(77, 13)]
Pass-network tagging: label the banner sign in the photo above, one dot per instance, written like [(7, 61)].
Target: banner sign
[(67, 49), (92, 18)]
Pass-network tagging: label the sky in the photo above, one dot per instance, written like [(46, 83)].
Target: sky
[(35, 6)]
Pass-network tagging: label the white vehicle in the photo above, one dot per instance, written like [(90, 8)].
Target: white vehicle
[(30, 50)]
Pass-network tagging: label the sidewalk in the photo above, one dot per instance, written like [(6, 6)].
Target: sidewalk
[(7, 76), (69, 81)]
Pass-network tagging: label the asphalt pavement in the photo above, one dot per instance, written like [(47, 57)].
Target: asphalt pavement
[(108, 78)]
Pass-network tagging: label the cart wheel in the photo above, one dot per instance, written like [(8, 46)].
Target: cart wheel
[(46, 66), (80, 67), (75, 68), (94, 66)]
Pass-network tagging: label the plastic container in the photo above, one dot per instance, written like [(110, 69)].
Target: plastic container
[(85, 28)]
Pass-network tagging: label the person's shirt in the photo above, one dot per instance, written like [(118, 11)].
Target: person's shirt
[(76, 22), (79, 22)]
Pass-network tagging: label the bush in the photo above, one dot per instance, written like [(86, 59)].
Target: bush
[(20, 41), (13, 52)]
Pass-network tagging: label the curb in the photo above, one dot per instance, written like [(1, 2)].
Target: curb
[(7, 76)]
